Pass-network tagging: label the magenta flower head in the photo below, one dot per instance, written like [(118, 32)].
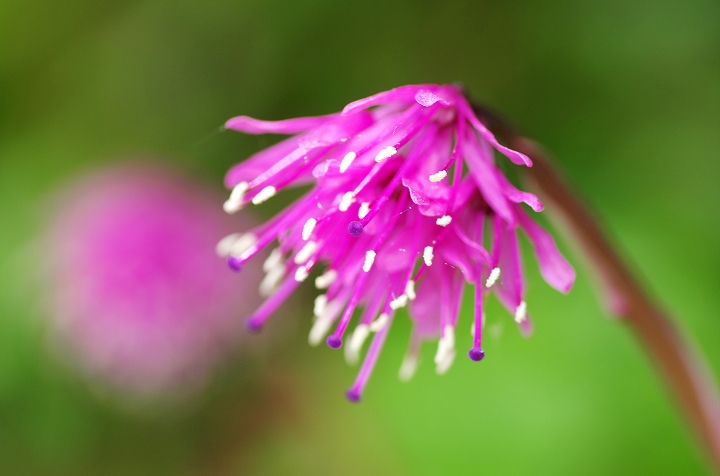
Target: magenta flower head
[(404, 186), (137, 298)]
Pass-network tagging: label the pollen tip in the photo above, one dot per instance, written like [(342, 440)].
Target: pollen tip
[(444, 220), (355, 228), (333, 341), (230, 206), (436, 177), (225, 246), (353, 395), (386, 153), (494, 276), (308, 228), (369, 260), (521, 312), (400, 301), (235, 202), (264, 195), (347, 161), (326, 279), (347, 199), (253, 327), (234, 263), (410, 290), (363, 210), (301, 274), (408, 367), (428, 255), (476, 354)]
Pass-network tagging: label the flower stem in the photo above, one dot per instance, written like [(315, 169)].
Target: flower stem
[(680, 364)]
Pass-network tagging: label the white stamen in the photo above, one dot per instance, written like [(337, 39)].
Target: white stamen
[(410, 290), (324, 321), (428, 255), (492, 279), (308, 228), (436, 177), (445, 364), (379, 323), (320, 328), (242, 244), (225, 245), (320, 305), (346, 161), (364, 210), (264, 195), (326, 279), (369, 260), (444, 220), (347, 199), (234, 203), (306, 252), (521, 312), (273, 260), (301, 274), (408, 367), (271, 280), (398, 302), (352, 349), (446, 350), (386, 153)]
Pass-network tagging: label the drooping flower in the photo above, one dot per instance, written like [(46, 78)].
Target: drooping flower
[(137, 298), (404, 184)]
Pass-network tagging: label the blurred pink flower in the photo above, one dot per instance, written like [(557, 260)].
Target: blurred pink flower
[(137, 294), (403, 184)]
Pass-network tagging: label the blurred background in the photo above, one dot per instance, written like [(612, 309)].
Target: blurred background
[(625, 94)]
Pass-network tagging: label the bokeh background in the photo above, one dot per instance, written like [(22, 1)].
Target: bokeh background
[(625, 94)]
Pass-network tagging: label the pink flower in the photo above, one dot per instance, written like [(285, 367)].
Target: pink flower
[(403, 185), (138, 299)]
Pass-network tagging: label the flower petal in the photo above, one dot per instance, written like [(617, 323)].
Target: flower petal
[(511, 288), (424, 94), (557, 272), (427, 98), (338, 129), (518, 196), (482, 170), (259, 163), (251, 125), (515, 156)]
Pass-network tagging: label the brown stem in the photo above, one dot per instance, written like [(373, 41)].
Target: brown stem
[(682, 368)]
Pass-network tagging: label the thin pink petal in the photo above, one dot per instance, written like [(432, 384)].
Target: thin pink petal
[(482, 170), (515, 156), (403, 94), (518, 196), (250, 125), (511, 288), (338, 129), (258, 163), (553, 266)]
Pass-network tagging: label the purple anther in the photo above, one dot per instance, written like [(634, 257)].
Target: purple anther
[(355, 228), (476, 354), (234, 263), (334, 341), (353, 395)]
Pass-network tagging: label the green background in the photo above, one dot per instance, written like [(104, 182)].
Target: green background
[(625, 94)]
